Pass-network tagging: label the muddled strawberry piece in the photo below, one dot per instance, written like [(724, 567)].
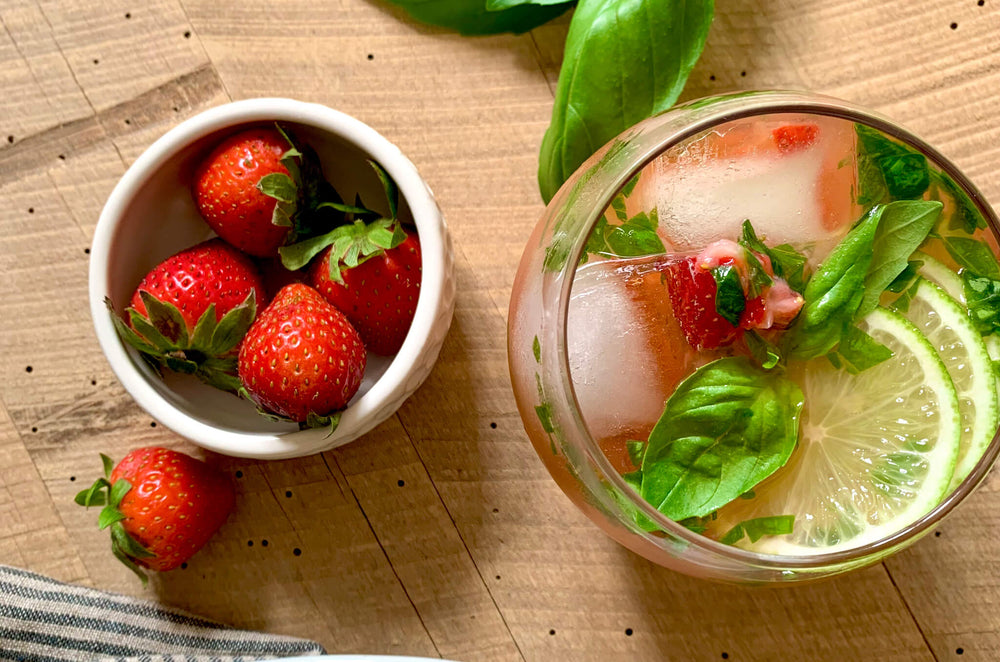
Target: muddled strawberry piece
[(692, 296), (782, 304), (755, 314), (722, 252), (693, 289), (794, 137)]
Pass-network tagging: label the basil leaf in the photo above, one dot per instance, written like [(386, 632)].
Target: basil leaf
[(631, 240), (635, 237), (763, 352), (786, 262), (903, 227), (974, 255), (906, 176), (473, 17), (500, 5), (729, 298), (634, 480), (757, 528), (834, 292), (905, 277), (624, 61), (982, 297), (727, 427), (887, 169), (965, 216), (860, 351), (636, 449)]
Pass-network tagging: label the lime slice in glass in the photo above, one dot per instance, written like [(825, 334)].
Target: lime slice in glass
[(877, 450), (945, 323)]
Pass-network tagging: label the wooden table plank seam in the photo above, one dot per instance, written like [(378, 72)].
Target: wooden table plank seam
[(909, 610), (465, 543)]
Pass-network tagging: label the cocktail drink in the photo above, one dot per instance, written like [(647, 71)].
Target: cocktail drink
[(753, 338)]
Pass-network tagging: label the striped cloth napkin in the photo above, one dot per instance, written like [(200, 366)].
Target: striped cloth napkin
[(42, 620)]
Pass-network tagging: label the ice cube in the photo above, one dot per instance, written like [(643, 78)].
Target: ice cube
[(619, 345)]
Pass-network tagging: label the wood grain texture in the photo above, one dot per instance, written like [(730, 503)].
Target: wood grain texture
[(439, 533)]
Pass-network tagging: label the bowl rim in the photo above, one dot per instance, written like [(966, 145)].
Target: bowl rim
[(435, 274)]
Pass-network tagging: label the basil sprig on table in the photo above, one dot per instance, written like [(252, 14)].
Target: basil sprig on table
[(726, 428), (624, 61)]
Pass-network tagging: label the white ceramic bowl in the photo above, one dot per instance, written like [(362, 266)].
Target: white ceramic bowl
[(151, 215)]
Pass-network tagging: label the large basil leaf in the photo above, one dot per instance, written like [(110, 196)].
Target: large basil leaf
[(727, 427), (474, 17), (904, 226), (624, 60), (834, 292)]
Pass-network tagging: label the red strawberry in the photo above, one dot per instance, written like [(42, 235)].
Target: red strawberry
[(162, 506), (795, 137), (228, 194), (379, 295), (302, 359), (692, 292), (211, 272), (191, 310)]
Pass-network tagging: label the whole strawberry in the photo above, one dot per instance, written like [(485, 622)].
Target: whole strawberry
[(257, 190), (161, 506), (302, 359), (379, 295), (227, 191), (190, 312)]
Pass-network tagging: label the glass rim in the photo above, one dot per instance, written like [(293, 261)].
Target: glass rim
[(764, 102)]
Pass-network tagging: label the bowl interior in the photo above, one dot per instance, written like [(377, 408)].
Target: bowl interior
[(161, 219)]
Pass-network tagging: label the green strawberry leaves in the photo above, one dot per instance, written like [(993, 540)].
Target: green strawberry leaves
[(109, 496), (302, 193), (205, 351), (355, 242)]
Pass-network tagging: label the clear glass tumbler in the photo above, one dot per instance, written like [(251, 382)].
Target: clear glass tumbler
[(540, 364)]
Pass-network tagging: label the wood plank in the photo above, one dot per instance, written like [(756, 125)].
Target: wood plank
[(31, 534), (118, 49), (414, 528), (478, 528)]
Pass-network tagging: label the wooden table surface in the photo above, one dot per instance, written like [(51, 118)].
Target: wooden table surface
[(440, 533)]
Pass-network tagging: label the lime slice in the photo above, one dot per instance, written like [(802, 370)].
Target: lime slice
[(945, 323), (939, 274), (877, 450), (951, 282)]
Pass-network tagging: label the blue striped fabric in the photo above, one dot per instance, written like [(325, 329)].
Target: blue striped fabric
[(42, 620)]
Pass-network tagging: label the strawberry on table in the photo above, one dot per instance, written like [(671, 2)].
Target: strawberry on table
[(190, 312), (161, 506), (302, 360)]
